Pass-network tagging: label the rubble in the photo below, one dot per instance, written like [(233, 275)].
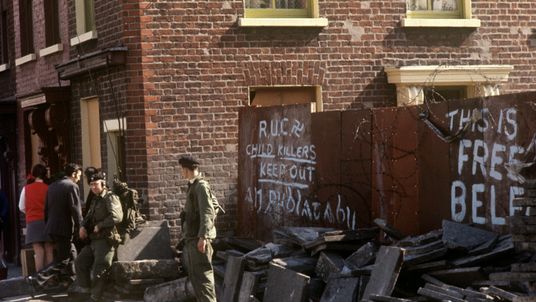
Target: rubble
[(458, 263)]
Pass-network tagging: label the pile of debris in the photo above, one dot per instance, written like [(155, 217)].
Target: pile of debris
[(457, 263)]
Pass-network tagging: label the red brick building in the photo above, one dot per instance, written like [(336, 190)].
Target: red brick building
[(147, 81)]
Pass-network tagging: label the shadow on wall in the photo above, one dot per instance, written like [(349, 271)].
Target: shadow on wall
[(376, 93), (532, 39), (427, 37), (259, 36)]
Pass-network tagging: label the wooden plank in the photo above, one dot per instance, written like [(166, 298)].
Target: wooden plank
[(462, 236), (504, 246), (341, 290), (248, 287), (233, 276), (328, 264), (511, 276), (363, 256), (428, 266), (462, 277), (285, 285), (383, 279), (421, 258), (380, 298), (524, 267), (444, 290), (437, 295), (498, 292)]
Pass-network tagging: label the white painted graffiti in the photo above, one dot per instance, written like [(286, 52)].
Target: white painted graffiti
[(487, 161)]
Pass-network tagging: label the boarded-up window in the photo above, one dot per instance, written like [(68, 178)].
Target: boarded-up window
[(52, 29), (91, 143), (115, 149), (274, 96), (26, 27)]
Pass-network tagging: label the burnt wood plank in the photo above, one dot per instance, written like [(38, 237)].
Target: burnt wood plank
[(285, 285), (341, 290), (232, 278), (387, 267), (248, 287), (461, 236)]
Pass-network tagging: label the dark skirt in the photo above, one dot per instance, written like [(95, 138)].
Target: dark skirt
[(35, 232)]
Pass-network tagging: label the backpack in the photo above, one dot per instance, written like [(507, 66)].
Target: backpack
[(130, 200)]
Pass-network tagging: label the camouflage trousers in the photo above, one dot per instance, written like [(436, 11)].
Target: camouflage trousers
[(200, 272)]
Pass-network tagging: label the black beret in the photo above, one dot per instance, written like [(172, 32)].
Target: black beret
[(96, 176), (188, 162)]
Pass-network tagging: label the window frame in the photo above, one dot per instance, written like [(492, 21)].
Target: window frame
[(86, 28), (432, 14), (307, 12), (429, 18), (26, 28)]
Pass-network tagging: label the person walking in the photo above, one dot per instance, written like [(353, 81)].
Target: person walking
[(99, 225), (63, 215), (198, 231), (32, 203)]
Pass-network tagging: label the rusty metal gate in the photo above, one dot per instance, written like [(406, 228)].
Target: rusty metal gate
[(413, 166)]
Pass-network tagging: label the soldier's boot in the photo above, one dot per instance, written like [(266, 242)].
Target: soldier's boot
[(98, 288)]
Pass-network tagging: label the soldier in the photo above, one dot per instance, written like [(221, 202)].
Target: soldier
[(100, 226), (198, 231)]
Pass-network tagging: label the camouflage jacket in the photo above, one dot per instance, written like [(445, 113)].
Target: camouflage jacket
[(105, 212), (199, 213)]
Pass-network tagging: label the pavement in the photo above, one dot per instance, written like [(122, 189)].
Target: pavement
[(15, 271)]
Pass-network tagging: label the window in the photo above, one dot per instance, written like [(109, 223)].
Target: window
[(279, 8), (26, 27), (85, 16), (276, 96), (415, 84), (439, 13), (438, 94), (85, 22), (434, 8), (282, 13), (3, 33), (115, 148), (52, 27)]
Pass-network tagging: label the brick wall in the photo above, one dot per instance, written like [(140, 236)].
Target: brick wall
[(198, 65), (32, 76)]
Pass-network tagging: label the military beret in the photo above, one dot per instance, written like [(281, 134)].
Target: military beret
[(188, 162), (96, 176)]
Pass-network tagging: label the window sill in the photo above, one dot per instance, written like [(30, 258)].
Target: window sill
[(23, 60), (283, 22), (51, 50), (90, 35), (467, 23), (4, 67)]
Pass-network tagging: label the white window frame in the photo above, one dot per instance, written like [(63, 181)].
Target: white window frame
[(254, 20), (83, 34), (431, 19)]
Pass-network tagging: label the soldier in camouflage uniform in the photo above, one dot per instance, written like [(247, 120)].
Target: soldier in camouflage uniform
[(99, 225), (198, 231)]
